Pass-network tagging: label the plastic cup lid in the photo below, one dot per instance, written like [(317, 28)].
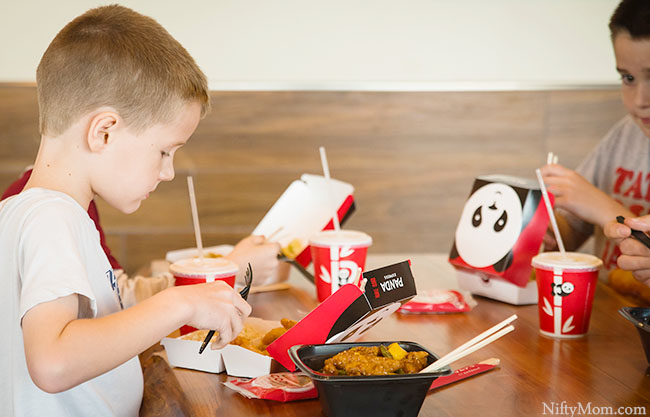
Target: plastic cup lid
[(195, 267), (572, 261), (329, 238)]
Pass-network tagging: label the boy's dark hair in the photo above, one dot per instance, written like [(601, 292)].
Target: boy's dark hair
[(632, 16), (113, 56)]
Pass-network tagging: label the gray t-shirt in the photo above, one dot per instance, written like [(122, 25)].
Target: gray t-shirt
[(619, 166)]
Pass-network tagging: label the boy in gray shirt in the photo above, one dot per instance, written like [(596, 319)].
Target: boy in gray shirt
[(614, 179)]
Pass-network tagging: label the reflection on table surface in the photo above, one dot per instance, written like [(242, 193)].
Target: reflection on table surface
[(538, 375)]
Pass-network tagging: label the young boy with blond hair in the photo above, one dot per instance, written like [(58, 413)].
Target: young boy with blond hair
[(117, 97)]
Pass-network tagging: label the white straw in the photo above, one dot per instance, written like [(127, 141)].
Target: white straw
[(549, 209), (326, 171), (195, 217), (549, 158), (555, 159), (447, 359)]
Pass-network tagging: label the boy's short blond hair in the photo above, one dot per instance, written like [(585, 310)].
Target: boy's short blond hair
[(113, 56)]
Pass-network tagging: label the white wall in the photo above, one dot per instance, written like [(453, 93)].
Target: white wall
[(339, 44)]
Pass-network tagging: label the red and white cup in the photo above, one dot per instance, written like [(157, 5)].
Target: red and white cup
[(337, 255), (566, 285), (198, 271)]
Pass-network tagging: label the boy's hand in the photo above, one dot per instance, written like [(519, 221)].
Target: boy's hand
[(550, 244), (577, 195), (216, 306), (260, 253), (635, 256)]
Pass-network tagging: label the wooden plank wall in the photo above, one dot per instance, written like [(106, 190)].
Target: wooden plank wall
[(412, 157)]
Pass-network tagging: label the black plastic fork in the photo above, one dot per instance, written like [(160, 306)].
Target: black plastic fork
[(248, 280)]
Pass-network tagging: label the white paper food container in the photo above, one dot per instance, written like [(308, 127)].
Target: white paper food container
[(184, 353), (497, 289), (235, 360), (245, 363), (304, 209)]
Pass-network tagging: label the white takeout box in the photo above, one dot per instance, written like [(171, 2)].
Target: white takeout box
[(242, 362), (184, 353), (235, 360), (497, 289), (306, 208)]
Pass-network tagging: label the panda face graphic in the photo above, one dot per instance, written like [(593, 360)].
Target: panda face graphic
[(490, 225), (563, 289)]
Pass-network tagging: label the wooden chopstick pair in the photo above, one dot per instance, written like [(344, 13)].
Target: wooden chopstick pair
[(488, 336)]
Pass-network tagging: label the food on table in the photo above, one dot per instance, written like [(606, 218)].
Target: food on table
[(625, 283), (200, 335), (272, 335), (210, 255), (396, 351), (287, 323), (256, 335), (375, 360), (294, 248), (252, 338)]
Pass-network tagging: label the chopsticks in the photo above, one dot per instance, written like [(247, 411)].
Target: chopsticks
[(637, 234), (299, 267), (485, 338)]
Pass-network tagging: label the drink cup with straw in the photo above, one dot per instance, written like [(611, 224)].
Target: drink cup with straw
[(197, 270), (337, 254), (549, 209), (566, 283)]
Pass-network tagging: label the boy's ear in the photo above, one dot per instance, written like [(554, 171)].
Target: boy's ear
[(102, 129)]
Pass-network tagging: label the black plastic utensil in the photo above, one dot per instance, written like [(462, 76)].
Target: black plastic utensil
[(637, 234), (299, 267), (248, 280)]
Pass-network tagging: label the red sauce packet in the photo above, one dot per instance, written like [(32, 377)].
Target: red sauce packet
[(439, 302), (282, 386)]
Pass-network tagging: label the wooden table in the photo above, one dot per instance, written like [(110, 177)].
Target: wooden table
[(538, 375)]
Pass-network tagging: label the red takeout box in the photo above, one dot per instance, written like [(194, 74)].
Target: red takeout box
[(304, 209), (501, 228), (346, 314)]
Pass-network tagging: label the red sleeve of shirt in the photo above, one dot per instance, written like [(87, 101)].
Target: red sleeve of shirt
[(18, 185)]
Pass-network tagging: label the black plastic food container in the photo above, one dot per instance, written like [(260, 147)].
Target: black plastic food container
[(377, 396), (640, 317)]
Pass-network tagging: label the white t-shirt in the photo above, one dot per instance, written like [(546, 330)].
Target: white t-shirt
[(619, 166), (49, 248)]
